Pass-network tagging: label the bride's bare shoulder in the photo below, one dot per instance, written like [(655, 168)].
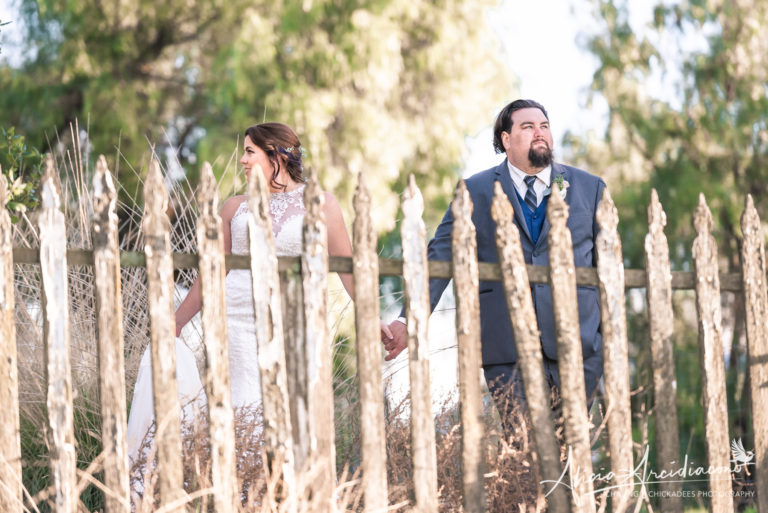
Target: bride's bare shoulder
[(231, 206)]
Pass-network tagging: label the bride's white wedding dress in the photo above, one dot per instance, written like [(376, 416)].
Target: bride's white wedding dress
[(287, 212)]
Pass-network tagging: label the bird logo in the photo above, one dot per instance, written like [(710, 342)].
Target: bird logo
[(741, 457)]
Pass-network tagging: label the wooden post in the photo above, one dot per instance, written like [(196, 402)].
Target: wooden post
[(711, 356), (517, 290), (157, 247), (610, 274), (296, 371), (756, 302), (109, 328), (210, 244), (278, 441), (10, 462), (366, 274), (53, 270), (660, 313), (314, 271), (570, 363), (416, 284), (465, 279)]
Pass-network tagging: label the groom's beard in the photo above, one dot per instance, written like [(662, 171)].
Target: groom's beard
[(541, 156)]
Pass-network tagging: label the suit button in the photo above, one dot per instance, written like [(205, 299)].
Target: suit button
[(535, 253)]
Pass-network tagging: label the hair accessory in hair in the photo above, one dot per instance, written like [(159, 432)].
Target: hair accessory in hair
[(289, 151)]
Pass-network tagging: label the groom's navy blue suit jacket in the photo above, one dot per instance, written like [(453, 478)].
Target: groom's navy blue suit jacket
[(582, 197)]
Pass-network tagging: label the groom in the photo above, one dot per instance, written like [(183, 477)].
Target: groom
[(526, 175)]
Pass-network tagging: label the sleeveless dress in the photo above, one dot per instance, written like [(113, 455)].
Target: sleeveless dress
[(287, 212)]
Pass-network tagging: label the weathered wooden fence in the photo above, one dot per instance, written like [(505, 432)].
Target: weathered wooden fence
[(295, 357)]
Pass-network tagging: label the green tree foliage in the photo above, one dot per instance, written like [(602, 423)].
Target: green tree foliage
[(687, 114), (709, 135), (22, 168), (387, 87), (130, 70)]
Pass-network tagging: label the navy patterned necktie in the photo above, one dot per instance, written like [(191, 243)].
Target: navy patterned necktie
[(530, 194)]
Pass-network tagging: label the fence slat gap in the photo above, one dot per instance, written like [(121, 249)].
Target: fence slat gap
[(756, 302), (570, 362), (517, 290), (314, 271), (416, 287), (53, 270), (465, 279), (210, 242), (711, 358), (10, 441), (366, 276), (268, 317), (610, 272), (157, 247), (661, 327), (109, 328)]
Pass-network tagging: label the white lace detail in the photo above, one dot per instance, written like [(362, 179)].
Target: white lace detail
[(282, 202), (287, 212)]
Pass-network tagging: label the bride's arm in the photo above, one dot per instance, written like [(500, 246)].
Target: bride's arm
[(338, 239), (193, 302), (339, 245)]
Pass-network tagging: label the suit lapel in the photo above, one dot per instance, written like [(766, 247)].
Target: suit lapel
[(556, 170), (502, 175)]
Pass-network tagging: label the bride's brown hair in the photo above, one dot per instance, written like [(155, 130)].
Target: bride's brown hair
[(279, 140)]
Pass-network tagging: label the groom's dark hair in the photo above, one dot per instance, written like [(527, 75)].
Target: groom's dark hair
[(504, 120)]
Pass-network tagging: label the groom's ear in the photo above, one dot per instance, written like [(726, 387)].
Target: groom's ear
[(505, 140)]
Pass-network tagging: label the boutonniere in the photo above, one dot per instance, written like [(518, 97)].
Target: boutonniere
[(562, 184)]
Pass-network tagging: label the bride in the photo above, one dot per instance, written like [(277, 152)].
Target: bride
[(277, 150)]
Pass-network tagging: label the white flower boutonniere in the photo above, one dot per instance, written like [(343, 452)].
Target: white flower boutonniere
[(563, 185)]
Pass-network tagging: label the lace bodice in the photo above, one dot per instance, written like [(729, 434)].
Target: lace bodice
[(287, 212)]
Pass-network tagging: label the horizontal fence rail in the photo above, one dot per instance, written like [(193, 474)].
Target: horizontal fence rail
[(633, 278)]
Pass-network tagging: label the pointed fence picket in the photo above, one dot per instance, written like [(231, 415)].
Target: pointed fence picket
[(10, 443), (610, 273), (268, 316), (210, 243), (713, 395), (415, 281), (53, 270), (106, 266), (660, 313), (570, 363), (157, 248), (366, 274), (314, 264), (289, 296), (756, 301), (465, 279)]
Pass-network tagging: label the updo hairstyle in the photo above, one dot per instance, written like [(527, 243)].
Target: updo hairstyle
[(277, 139)]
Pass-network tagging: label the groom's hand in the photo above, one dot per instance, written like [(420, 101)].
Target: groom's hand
[(398, 342)]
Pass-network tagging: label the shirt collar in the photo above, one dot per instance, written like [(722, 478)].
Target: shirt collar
[(545, 175)]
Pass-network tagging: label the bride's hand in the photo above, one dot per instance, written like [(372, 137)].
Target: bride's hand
[(385, 331)]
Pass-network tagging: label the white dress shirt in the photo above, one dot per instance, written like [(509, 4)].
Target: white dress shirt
[(540, 186)]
